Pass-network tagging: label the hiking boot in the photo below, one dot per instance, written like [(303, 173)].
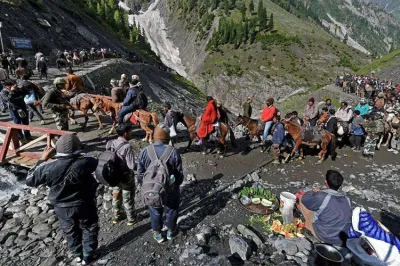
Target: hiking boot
[(276, 162), (78, 260), (170, 235), (199, 142), (356, 150), (158, 237), (116, 220), (132, 222), (89, 259), (287, 158)]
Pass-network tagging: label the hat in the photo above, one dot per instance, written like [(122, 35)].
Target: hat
[(363, 100), (381, 95), (68, 144), (114, 82), (311, 100), (123, 128), (123, 76), (58, 81), (135, 77), (161, 133)]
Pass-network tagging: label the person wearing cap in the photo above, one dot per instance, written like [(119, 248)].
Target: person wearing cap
[(129, 101), (247, 108), (174, 164), (124, 193), (124, 83), (357, 131), (72, 193), (363, 107), (117, 92), (267, 117), (278, 138), (55, 101), (311, 113)]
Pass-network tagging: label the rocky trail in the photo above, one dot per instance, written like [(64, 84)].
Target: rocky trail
[(217, 230)]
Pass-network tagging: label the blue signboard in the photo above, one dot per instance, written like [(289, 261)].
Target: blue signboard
[(21, 43)]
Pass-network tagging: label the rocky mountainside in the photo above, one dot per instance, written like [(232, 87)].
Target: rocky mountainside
[(391, 6), (386, 67), (232, 50)]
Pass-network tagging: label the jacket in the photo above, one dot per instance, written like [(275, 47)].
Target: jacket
[(268, 113), (331, 125), (331, 220), (362, 108), (171, 119), (311, 111), (207, 120), (53, 99), (74, 83), (69, 177), (16, 99), (174, 163), (279, 134), (344, 114), (247, 110), (130, 96), (117, 94)]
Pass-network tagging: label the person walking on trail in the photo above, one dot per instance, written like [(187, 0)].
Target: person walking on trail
[(74, 84), (171, 121), (357, 131), (117, 92), (124, 83), (207, 120), (267, 117), (311, 113), (54, 100), (247, 108), (72, 193), (278, 138), (327, 213), (148, 170), (17, 108), (42, 68), (128, 106), (124, 192), (38, 55), (331, 124)]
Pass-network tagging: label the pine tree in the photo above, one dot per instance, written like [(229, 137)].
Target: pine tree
[(112, 4), (262, 17), (251, 6), (215, 4), (243, 10), (226, 7), (117, 19), (260, 7), (271, 22), (246, 32), (99, 11), (91, 8)]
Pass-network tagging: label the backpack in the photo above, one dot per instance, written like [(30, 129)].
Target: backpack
[(141, 100), (109, 171), (156, 178)]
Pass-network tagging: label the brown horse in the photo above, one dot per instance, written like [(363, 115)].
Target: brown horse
[(146, 118), (295, 132), (190, 123), (106, 105), (251, 124), (85, 104)]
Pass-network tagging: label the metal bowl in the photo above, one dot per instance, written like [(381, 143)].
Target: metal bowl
[(327, 255)]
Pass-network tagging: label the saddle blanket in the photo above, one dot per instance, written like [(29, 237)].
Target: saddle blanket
[(76, 100)]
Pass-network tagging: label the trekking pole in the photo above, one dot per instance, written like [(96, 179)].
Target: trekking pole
[(226, 186)]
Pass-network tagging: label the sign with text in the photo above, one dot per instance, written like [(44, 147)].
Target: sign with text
[(21, 43)]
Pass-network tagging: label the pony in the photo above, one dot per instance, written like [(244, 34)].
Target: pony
[(190, 123), (251, 124), (295, 131), (145, 118), (85, 103), (106, 105)]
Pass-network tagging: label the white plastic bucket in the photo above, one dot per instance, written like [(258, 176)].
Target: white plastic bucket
[(287, 202)]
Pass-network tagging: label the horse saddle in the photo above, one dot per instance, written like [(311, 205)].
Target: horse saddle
[(311, 135), (76, 100)]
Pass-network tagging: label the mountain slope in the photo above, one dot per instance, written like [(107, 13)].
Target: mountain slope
[(391, 6), (295, 54), (386, 67)]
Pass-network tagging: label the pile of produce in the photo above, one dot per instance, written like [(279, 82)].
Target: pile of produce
[(288, 230), (257, 195)]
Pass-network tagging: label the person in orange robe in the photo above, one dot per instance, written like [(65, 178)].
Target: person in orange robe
[(207, 120)]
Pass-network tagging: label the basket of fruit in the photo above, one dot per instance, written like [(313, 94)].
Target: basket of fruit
[(258, 200)]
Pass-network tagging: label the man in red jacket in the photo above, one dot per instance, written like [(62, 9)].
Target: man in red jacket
[(207, 120), (267, 117)]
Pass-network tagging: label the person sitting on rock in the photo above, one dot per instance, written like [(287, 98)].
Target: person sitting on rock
[(146, 159), (72, 193), (327, 213)]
